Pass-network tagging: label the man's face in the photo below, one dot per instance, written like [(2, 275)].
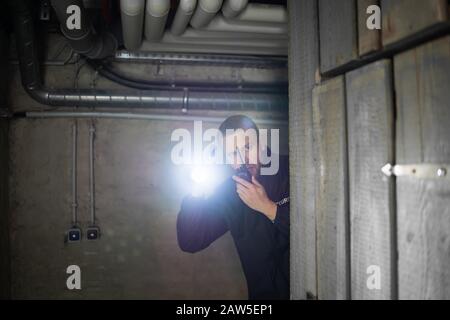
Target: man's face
[(242, 149)]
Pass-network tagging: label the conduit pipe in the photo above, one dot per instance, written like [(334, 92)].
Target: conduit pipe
[(183, 15), (91, 173), (232, 8), (205, 12), (202, 59), (74, 175), (155, 18), (132, 14), (142, 116)]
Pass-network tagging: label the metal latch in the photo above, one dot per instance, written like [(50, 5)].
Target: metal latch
[(420, 171)]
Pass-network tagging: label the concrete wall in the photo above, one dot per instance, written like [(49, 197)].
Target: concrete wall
[(138, 194)]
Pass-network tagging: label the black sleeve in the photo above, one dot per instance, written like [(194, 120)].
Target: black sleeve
[(282, 220), (201, 221)]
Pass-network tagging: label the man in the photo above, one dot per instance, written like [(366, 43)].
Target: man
[(256, 212)]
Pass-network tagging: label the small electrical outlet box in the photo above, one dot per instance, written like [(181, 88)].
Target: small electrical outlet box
[(93, 233), (74, 235)]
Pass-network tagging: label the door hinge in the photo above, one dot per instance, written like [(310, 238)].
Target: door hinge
[(420, 171)]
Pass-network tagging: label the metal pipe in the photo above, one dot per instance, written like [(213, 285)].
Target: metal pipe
[(203, 59), (91, 173), (183, 15), (141, 116), (74, 175), (132, 14)]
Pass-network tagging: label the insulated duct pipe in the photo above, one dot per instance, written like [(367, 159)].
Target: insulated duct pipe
[(132, 14), (264, 13), (82, 37), (205, 12), (232, 8), (31, 79), (183, 15), (155, 18)]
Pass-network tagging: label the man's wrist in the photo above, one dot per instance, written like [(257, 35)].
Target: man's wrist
[(271, 210)]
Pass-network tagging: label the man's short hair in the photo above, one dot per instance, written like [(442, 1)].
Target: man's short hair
[(237, 122)]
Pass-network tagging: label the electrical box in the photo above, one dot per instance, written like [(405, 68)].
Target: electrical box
[(93, 233), (74, 235)]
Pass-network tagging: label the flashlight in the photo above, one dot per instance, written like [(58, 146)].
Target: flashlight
[(242, 172)]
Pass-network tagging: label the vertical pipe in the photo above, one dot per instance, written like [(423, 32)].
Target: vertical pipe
[(155, 18), (74, 174), (91, 172), (183, 15), (205, 12), (132, 14)]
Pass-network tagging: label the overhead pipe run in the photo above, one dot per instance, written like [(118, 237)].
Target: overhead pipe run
[(205, 12), (203, 59), (31, 79), (155, 18), (183, 16), (83, 38), (132, 14)]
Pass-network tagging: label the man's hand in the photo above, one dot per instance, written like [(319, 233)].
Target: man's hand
[(254, 195)]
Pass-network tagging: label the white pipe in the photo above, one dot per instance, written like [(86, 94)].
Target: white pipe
[(213, 48), (155, 18), (232, 8), (183, 15), (91, 173), (263, 13), (141, 116), (74, 175), (237, 42), (132, 14), (219, 23), (192, 33), (205, 12)]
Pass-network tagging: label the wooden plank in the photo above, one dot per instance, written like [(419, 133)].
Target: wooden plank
[(303, 68), (331, 191), (422, 78), (5, 261), (370, 146), (338, 33), (405, 18), (368, 40)]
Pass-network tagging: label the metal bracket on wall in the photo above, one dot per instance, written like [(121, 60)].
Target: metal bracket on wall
[(420, 171)]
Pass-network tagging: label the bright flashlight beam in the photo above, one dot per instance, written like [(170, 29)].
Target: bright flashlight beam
[(200, 175), (204, 178)]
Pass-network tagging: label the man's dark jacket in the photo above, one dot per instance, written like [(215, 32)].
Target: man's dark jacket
[(262, 245)]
